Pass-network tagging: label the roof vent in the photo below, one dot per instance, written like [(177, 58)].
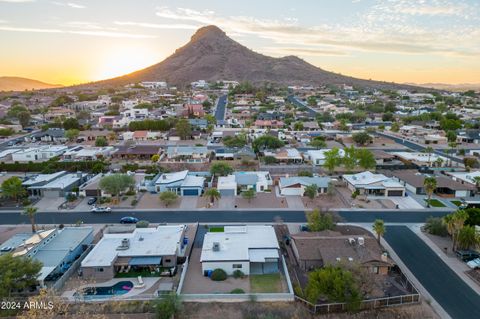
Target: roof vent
[(140, 238), (384, 257), (124, 245), (350, 259), (338, 259), (351, 241), (216, 246)]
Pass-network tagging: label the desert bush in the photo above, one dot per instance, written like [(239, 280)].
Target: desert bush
[(436, 226), (238, 274), (219, 275), (237, 291)]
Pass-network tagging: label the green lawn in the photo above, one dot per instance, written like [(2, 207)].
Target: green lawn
[(268, 283), (456, 202), (217, 229), (435, 203)]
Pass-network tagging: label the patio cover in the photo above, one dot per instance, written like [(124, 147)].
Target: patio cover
[(259, 255), (142, 261)]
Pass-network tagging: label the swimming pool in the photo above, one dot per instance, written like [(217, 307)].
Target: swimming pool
[(120, 288)]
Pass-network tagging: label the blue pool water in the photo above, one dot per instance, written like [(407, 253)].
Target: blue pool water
[(120, 288)]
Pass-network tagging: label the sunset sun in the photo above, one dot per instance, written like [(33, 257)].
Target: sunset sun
[(123, 61)]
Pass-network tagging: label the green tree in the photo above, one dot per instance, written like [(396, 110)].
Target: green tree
[(455, 222), (220, 169), (24, 118), (266, 142), (318, 142), (366, 159), (183, 128), (17, 273), (305, 173), (12, 188), (298, 126), (238, 141), (334, 283), (350, 158), (468, 237), (379, 229), (213, 194), (72, 134), (362, 138), (167, 306), (31, 212), (451, 136), (318, 221), (332, 159), (168, 198), (311, 191), (101, 141), (98, 168), (115, 184), (395, 127), (312, 101), (249, 194), (155, 158), (430, 184), (71, 123)]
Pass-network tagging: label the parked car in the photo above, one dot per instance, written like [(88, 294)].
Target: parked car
[(92, 201), (474, 264), (128, 220), (101, 210), (467, 255)]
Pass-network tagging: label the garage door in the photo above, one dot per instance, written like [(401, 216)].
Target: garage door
[(190, 192), (395, 193), (227, 192), (92, 192)]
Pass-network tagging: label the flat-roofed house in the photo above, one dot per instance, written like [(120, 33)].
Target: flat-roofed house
[(143, 249), (181, 183), (296, 185), (369, 184), (251, 249)]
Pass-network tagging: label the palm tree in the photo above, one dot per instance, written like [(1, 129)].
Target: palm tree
[(30, 212), (213, 194), (477, 181), (379, 228), (430, 184), (429, 151), (454, 224)]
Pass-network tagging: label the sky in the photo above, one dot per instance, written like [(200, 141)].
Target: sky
[(77, 41)]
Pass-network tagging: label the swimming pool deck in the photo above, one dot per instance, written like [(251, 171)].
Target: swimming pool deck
[(148, 281)]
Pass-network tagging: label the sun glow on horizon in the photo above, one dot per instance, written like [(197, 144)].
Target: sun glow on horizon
[(121, 61)]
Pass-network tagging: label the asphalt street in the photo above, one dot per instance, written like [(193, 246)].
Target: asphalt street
[(220, 109), (294, 100), (449, 290), (217, 216), (417, 147)]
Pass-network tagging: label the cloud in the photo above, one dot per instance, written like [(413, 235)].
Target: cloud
[(157, 26), (303, 51), (69, 4), (378, 29), (99, 33), (424, 7), (17, 1)]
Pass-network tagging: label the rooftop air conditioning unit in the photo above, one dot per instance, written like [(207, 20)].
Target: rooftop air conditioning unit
[(361, 241), (351, 241), (216, 246), (124, 245)]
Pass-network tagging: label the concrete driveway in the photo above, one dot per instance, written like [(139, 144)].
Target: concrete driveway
[(295, 202), (188, 202)]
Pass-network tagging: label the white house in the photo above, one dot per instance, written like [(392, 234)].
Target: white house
[(88, 153), (181, 183), (367, 183), (317, 157), (252, 249), (38, 154), (421, 159), (259, 181), (227, 185), (465, 177), (296, 185), (154, 85)]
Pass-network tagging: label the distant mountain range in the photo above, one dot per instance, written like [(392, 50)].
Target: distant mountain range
[(14, 83), (450, 87), (211, 55)]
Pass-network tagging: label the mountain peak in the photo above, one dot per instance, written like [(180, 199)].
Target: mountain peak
[(208, 31)]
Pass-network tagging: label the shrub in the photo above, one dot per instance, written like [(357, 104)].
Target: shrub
[(143, 224), (436, 226), (219, 275), (134, 202), (238, 274), (130, 193), (355, 194), (237, 291)]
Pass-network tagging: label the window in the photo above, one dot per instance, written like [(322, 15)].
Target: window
[(236, 266), (99, 269), (375, 270), (168, 260)]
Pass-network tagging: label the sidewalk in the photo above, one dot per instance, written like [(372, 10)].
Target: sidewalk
[(454, 263)]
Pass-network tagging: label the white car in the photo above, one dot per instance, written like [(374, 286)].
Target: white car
[(101, 210), (474, 264)]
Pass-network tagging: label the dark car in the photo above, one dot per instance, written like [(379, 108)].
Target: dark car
[(92, 201), (467, 255), (129, 220)]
